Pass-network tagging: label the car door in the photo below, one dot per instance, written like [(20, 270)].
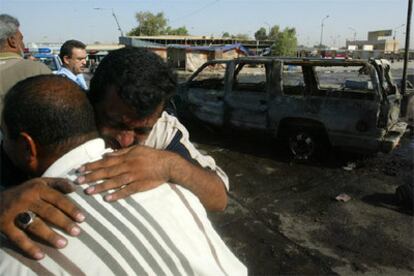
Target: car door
[(205, 93), (248, 96), (349, 103)]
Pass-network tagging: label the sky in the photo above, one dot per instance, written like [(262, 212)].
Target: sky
[(60, 20)]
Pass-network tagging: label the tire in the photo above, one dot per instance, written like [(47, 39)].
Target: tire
[(405, 195), (305, 143)]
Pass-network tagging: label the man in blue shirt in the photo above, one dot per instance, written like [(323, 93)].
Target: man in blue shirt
[(73, 56)]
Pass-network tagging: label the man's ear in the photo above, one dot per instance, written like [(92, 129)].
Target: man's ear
[(12, 42), (30, 151), (66, 60)]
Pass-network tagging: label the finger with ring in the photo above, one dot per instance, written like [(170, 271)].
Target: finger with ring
[(23, 220)]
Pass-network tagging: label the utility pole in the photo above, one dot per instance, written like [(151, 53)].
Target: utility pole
[(116, 19), (395, 36), (268, 26), (117, 23), (407, 47), (320, 42), (354, 33)]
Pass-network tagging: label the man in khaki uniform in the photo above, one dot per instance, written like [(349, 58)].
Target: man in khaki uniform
[(13, 67)]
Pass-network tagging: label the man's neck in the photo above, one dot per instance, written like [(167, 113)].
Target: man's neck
[(10, 175), (8, 49), (67, 68), (48, 155)]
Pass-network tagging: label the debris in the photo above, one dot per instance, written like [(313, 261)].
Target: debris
[(239, 174), (349, 166), (270, 170), (391, 171), (343, 198)]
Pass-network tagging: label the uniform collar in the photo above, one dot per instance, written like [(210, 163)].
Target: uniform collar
[(10, 55)]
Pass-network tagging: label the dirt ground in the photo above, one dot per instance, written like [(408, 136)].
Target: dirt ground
[(283, 218)]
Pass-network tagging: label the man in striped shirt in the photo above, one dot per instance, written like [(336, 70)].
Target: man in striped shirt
[(130, 92), (163, 231)]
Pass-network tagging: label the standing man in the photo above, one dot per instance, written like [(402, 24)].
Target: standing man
[(73, 56), (29, 194), (13, 67)]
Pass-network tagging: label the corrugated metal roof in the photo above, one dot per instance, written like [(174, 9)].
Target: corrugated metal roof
[(103, 47), (177, 37), (222, 48)]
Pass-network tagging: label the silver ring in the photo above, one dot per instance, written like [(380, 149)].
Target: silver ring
[(23, 220)]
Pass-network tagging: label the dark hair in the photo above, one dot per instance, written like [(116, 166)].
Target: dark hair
[(52, 109), (140, 78), (67, 47)]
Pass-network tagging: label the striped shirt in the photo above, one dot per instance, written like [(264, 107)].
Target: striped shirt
[(164, 231)]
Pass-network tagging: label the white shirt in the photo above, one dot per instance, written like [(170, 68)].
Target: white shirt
[(169, 134), (79, 78), (161, 231)]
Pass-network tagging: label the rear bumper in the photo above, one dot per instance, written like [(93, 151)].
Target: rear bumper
[(374, 142), (393, 136)]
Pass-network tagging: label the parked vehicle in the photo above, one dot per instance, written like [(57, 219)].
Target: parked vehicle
[(94, 58), (308, 103), (51, 60)]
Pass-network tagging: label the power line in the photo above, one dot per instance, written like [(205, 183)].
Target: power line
[(196, 11)]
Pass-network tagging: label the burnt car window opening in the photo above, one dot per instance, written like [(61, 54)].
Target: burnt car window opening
[(250, 77), (293, 80), (350, 78), (210, 77)]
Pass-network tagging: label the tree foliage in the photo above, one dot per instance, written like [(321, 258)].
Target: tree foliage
[(149, 24), (155, 24), (179, 31), (274, 32), (241, 36), (260, 34), (235, 36), (286, 43)]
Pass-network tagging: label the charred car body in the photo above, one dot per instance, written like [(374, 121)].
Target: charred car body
[(310, 104)]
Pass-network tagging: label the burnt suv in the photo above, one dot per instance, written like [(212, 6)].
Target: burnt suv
[(309, 103)]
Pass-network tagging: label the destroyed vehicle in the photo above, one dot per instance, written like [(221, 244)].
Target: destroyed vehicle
[(407, 102), (310, 104)]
